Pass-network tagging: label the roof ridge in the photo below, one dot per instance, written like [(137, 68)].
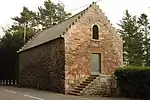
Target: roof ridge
[(66, 29)]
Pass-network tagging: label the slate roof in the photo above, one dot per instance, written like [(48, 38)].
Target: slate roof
[(53, 32)]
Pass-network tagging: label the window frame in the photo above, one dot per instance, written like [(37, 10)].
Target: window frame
[(97, 34)]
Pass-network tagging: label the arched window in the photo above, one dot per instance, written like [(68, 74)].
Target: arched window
[(95, 32)]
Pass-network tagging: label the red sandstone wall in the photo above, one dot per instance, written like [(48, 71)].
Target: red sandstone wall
[(79, 45)]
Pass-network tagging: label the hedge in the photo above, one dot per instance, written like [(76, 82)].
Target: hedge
[(134, 81)]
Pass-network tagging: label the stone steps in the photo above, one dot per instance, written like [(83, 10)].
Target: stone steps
[(86, 82), (73, 93), (80, 86), (77, 90)]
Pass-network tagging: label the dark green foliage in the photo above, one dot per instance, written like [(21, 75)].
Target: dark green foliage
[(144, 25), (132, 40), (136, 37), (134, 81), (51, 14)]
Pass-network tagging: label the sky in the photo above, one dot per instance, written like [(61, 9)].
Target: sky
[(113, 9)]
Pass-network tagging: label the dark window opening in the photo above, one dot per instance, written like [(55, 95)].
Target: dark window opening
[(69, 26), (78, 17), (66, 29), (72, 23), (95, 32)]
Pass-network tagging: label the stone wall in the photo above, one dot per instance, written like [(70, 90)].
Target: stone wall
[(43, 66), (104, 85), (79, 45)]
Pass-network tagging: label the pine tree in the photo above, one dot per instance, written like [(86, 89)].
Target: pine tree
[(25, 25), (145, 29), (51, 14), (132, 39)]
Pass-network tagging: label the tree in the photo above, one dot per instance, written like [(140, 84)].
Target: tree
[(61, 13), (28, 22), (51, 14), (145, 29), (132, 40), (26, 25)]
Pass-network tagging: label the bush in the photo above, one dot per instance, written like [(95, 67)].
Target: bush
[(133, 81)]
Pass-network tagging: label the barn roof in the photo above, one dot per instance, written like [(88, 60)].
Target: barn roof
[(53, 32)]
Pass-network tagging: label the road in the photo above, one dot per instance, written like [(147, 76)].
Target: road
[(12, 93)]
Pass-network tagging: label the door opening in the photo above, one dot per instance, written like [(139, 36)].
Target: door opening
[(96, 64)]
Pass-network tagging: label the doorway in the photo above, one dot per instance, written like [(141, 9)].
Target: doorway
[(95, 63)]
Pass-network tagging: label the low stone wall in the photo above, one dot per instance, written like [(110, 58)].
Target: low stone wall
[(104, 85)]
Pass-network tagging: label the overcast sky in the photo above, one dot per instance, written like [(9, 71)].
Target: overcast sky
[(113, 8)]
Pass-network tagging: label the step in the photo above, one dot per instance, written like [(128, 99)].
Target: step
[(94, 75), (73, 93), (76, 91), (78, 88), (81, 86), (88, 82), (89, 79), (84, 84)]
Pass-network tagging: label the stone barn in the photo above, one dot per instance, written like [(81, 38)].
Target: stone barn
[(76, 56)]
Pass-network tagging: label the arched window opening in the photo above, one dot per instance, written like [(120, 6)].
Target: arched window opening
[(95, 32)]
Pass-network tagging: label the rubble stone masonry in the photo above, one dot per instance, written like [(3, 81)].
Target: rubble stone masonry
[(63, 63), (79, 45), (43, 66)]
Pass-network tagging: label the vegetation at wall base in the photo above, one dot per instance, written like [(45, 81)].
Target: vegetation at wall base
[(133, 81)]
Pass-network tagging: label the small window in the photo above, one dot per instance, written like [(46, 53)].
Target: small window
[(95, 32), (66, 29), (78, 17), (69, 26), (72, 23)]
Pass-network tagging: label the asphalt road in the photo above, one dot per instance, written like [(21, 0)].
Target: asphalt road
[(12, 93)]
